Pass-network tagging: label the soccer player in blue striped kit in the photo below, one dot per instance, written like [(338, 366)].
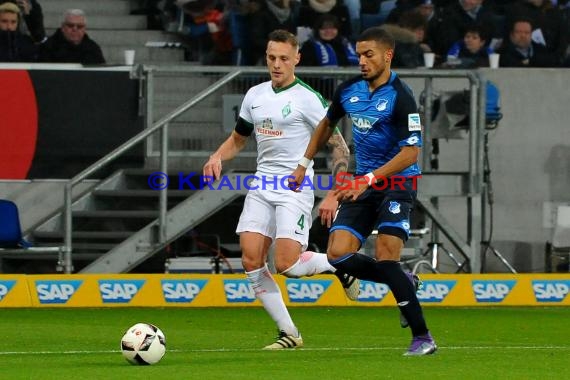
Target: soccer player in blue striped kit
[(387, 139)]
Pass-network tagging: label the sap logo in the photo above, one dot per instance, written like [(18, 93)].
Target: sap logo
[(181, 290), (119, 291), (362, 124), (305, 290), (435, 291), (5, 287), (492, 291), (239, 291), (372, 291), (53, 292), (551, 290)]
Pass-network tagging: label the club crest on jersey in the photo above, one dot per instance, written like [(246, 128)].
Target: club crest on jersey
[(414, 122), (286, 111), (382, 105), (394, 207)]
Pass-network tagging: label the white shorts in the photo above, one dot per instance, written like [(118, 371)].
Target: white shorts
[(278, 214)]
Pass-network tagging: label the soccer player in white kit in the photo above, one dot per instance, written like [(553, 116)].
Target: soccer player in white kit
[(282, 114)]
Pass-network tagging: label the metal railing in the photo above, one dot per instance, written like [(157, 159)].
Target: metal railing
[(146, 75)]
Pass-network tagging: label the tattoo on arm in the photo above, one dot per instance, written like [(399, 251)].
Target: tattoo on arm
[(340, 153)]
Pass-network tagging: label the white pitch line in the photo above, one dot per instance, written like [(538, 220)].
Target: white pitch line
[(79, 352)]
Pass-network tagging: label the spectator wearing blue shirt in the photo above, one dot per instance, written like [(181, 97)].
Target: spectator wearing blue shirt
[(471, 52), (328, 47)]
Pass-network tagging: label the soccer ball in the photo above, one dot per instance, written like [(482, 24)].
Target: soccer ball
[(143, 344)]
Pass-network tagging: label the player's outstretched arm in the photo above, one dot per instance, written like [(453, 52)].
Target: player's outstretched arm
[(228, 150), (319, 138)]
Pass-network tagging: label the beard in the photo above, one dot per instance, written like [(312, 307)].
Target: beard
[(371, 77)]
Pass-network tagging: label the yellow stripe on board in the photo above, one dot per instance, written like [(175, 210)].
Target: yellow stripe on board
[(201, 290)]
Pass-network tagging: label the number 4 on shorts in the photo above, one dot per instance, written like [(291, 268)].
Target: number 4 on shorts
[(301, 222)]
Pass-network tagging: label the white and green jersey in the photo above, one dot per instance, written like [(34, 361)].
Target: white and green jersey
[(283, 121)]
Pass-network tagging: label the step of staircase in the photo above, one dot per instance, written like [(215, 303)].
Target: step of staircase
[(118, 214), (102, 235), (115, 54), (90, 7), (139, 194), (53, 21)]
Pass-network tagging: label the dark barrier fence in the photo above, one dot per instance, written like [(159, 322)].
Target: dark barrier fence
[(54, 123)]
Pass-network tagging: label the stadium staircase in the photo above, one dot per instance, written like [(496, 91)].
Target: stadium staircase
[(116, 222)]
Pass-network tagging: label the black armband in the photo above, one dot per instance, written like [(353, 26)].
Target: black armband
[(243, 127)]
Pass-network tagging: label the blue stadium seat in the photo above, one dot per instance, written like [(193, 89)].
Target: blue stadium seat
[(10, 231)]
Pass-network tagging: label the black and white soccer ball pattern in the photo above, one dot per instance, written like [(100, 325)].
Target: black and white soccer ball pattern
[(143, 344)]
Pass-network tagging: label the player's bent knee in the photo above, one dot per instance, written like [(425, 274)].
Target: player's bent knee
[(336, 252), (252, 263), (286, 266)]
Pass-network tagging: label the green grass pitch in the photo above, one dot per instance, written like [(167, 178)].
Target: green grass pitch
[(340, 343)]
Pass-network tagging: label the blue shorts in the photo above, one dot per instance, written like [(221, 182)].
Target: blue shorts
[(388, 211)]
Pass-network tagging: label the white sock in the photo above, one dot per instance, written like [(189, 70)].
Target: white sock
[(309, 263), (267, 291)]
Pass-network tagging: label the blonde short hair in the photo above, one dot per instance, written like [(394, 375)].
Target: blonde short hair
[(9, 8)]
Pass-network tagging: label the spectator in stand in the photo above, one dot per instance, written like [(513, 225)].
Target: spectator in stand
[(206, 27), (471, 52), (455, 19), (375, 12), (433, 13), (547, 21), (327, 47), (353, 8), (70, 43), (239, 14), (33, 17), (271, 15), (401, 7), (150, 8), (14, 45), (521, 51), (310, 10), (408, 34)]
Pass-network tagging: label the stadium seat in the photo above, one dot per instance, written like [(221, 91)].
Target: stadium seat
[(13, 244), (10, 231)]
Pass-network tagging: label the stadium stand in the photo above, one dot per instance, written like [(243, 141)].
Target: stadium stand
[(116, 30)]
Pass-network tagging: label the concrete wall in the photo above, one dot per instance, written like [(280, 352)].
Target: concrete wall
[(530, 161)]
